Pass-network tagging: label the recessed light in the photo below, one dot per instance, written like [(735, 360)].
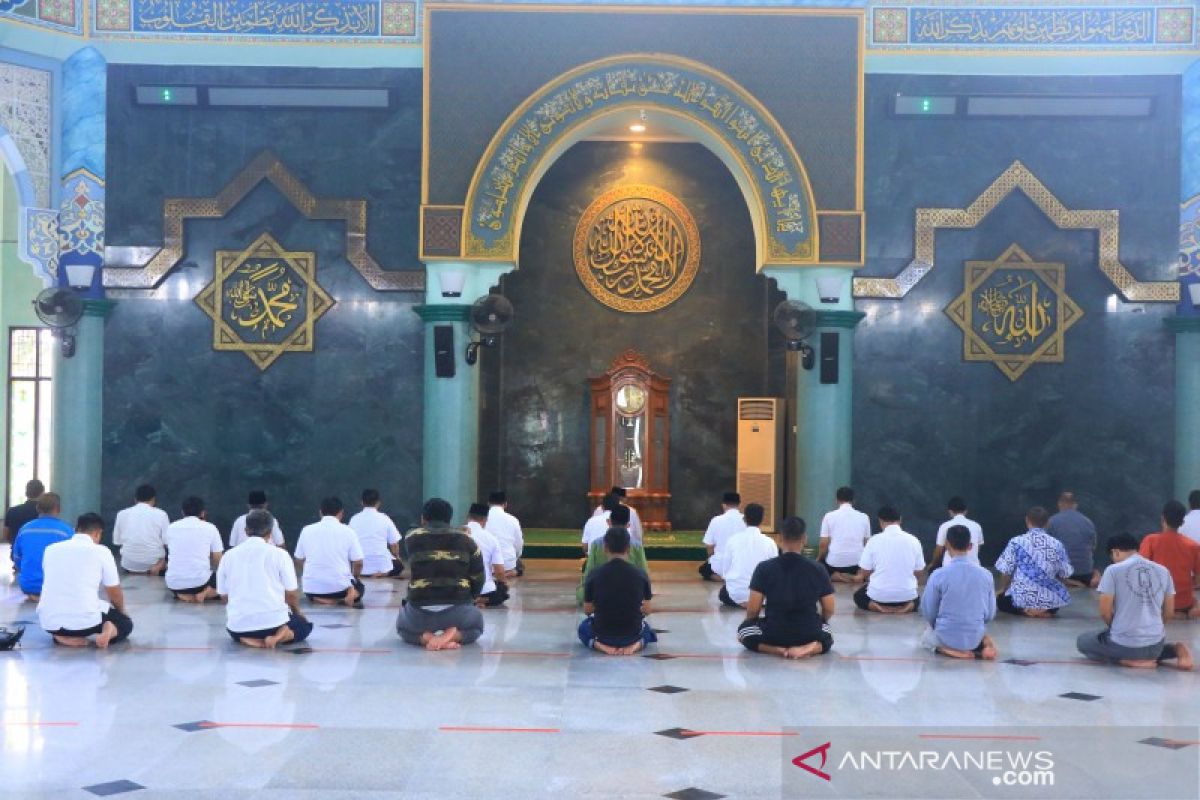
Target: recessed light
[(637, 127)]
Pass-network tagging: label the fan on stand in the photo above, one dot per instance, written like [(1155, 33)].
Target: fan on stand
[(490, 315), (797, 322), (60, 308)]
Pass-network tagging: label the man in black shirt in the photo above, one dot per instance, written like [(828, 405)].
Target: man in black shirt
[(616, 599), (447, 576), (18, 515), (792, 586)]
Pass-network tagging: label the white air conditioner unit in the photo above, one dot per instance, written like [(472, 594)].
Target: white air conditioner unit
[(760, 454)]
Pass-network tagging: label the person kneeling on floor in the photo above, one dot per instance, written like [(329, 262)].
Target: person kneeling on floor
[(959, 602), (447, 575), (616, 600), (792, 587), (1136, 597), (890, 564), (259, 582), (70, 609)]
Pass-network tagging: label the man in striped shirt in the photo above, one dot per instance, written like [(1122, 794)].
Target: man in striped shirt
[(447, 575)]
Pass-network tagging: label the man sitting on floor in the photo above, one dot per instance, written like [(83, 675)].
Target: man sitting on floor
[(141, 533), (237, 534), (890, 562), (16, 517), (597, 555), (636, 538), (379, 538), (1136, 597), (956, 509), (507, 530), (598, 524), (193, 552), (1078, 536), (1032, 567), (447, 575), (1179, 554), (330, 559), (844, 532), (723, 526), (792, 587), (495, 590), (959, 602), (70, 609), (616, 600), (743, 553), (259, 582), (32, 540)]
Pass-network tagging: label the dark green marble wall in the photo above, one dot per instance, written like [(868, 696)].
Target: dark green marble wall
[(191, 420), (927, 424), (713, 342)]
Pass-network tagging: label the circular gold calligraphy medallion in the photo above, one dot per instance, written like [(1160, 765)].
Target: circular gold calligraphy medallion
[(636, 248)]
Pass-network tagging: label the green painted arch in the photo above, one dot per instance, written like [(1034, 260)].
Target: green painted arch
[(682, 95)]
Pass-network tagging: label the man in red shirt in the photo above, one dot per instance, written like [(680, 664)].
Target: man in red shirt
[(1179, 554)]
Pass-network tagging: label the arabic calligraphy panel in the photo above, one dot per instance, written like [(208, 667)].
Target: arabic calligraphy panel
[(264, 301), (1014, 312), (636, 248)]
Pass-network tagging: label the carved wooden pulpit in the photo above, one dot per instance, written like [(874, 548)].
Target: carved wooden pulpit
[(631, 437)]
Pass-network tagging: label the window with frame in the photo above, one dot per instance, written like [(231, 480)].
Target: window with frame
[(30, 407)]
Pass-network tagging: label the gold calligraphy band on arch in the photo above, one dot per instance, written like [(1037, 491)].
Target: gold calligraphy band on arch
[(1018, 178), (266, 166)]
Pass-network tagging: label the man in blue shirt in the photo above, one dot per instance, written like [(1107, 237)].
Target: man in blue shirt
[(959, 602), (33, 539)]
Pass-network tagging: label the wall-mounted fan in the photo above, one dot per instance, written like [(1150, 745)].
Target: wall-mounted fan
[(60, 308), (797, 322), (490, 315)]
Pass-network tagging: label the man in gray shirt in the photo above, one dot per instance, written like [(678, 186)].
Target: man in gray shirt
[(1078, 535), (1136, 596)]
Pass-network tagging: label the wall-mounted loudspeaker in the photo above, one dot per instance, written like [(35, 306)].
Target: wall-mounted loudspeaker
[(443, 351)]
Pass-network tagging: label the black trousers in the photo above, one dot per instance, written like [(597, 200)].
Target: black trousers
[(706, 571), (212, 584), (725, 599), (355, 582), (863, 601), (497, 597), (300, 627), (1005, 603), (755, 632), (122, 622)]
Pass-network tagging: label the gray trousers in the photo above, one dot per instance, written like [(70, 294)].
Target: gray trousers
[(414, 621), (1100, 647)]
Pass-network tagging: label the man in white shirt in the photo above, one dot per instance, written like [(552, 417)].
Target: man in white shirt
[(635, 522), (507, 530), (379, 538), (890, 562), (70, 608), (742, 553), (597, 525), (194, 550), (844, 532), (329, 559), (237, 534), (259, 583), (1191, 523), (141, 533), (495, 589), (956, 509), (729, 522)]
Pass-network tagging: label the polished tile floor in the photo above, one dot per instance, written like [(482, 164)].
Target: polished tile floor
[(181, 711)]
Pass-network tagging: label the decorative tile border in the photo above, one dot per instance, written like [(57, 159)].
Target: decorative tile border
[(257, 20), (1030, 26), (65, 16)]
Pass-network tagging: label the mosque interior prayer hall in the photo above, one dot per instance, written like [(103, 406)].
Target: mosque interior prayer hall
[(685, 399)]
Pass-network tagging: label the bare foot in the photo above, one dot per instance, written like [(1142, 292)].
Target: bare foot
[(607, 649), (107, 633), (70, 641), (452, 645), (33, 598), (1140, 663), (325, 601), (1194, 612), (426, 638), (803, 651), (352, 597), (438, 641), (1183, 660), (952, 653), (989, 651), (1037, 613), (251, 642), (281, 636)]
